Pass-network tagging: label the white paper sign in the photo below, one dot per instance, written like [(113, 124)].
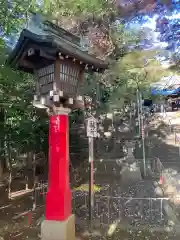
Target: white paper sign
[(91, 127)]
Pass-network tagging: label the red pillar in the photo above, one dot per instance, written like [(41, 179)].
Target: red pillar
[(58, 198)]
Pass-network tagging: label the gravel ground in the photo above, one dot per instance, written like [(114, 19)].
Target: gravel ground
[(131, 204)]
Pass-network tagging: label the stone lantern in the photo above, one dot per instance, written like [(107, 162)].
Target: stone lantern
[(57, 62)]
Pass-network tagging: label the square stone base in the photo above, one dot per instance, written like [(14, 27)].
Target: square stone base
[(131, 173), (56, 230)]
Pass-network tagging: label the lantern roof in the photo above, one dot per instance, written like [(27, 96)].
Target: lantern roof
[(50, 40)]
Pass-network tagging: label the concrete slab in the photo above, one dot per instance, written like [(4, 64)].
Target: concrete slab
[(56, 230)]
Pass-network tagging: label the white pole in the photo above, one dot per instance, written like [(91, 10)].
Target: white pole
[(142, 133), (138, 109), (91, 180)]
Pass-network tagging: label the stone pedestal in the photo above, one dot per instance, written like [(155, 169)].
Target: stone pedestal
[(130, 156), (58, 230), (131, 173)]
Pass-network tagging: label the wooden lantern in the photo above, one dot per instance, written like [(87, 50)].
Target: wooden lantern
[(57, 61)]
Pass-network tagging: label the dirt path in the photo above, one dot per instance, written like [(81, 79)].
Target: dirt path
[(17, 221)]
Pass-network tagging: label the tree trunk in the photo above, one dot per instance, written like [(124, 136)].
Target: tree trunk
[(1, 169), (29, 170), (2, 133)]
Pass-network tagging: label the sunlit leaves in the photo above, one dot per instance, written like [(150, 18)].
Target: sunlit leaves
[(82, 8), (136, 69), (12, 15)]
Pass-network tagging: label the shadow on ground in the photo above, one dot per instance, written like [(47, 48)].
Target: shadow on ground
[(157, 145)]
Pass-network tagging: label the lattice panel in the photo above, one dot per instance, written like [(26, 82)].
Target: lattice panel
[(69, 77), (46, 83), (45, 71), (46, 79)]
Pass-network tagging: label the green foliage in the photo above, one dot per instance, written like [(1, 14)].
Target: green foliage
[(135, 70), (23, 126), (12, 15)]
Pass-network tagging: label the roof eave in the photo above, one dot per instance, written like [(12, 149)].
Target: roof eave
[(61, 46)]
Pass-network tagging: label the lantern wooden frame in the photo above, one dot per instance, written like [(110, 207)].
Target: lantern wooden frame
[(59, 82)]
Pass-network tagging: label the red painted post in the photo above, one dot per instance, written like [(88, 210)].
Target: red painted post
[(58, 198)]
